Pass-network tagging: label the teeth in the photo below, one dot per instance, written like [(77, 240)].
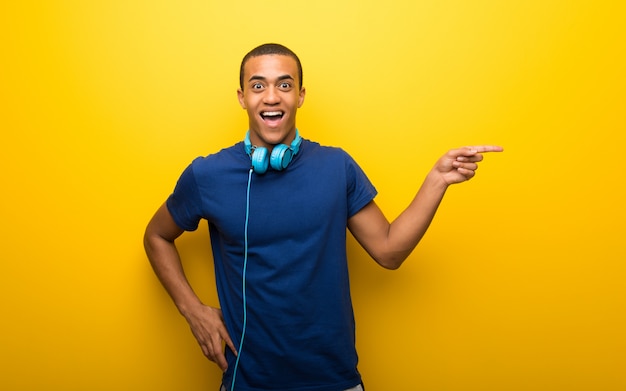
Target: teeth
[(271, 113)]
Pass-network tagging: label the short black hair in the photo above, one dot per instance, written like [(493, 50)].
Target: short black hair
[(270, 49)]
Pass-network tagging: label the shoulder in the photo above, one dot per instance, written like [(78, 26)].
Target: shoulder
[(329, 160), (326, 151), (234, 154)]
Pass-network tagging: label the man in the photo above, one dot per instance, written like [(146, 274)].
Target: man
[(278, 233)]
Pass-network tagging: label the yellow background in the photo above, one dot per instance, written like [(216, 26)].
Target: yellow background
[(518, 285)]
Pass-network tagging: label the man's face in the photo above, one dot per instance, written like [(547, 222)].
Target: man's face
[(271, 96)]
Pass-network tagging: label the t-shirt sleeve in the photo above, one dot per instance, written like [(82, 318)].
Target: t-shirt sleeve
[(185, 203), (360, 189)]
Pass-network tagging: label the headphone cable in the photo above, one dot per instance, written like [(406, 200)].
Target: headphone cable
[(243, 280)]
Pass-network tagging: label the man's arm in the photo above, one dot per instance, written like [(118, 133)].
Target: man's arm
[(206, 323), (390, 244)]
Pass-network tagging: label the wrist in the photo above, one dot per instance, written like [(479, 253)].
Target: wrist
[(434, 180), (188, 307)]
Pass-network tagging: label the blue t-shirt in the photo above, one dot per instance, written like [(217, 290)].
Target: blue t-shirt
[(300, 322)]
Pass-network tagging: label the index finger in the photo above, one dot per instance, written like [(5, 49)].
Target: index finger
[(484, 148), (229, 343)]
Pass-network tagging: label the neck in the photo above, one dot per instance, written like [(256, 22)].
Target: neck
[(294, 145)]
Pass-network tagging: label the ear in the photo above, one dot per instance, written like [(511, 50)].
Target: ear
[(240, 98), (301, 97)]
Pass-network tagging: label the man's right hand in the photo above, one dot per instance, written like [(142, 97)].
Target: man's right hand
[(207, 325)]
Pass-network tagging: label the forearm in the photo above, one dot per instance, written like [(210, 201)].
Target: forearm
[(406, 231), (456, 166), (206, 323), (167, 265), (390, 244)]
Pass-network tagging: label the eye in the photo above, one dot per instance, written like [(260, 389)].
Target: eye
[(257, 86), (284, 85)]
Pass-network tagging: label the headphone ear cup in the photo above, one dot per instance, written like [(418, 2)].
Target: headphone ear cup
[(281, 157), (259, 160)]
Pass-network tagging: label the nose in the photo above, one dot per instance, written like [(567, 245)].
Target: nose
[(271, 96)]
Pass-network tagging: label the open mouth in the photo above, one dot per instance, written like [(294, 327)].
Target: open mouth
[(272, 116)]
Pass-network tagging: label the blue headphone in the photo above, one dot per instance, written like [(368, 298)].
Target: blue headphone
[(279, 159)]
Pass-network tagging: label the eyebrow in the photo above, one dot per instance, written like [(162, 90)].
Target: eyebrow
[(263, 78)]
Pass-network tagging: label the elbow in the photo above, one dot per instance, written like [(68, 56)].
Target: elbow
[(390, 259), (152, 240), (390, 262), (393, 266), (148, 242)]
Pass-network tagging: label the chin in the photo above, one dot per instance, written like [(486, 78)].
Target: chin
[(274, 135)]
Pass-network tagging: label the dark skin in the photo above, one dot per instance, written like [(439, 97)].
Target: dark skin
[(389, 244)]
